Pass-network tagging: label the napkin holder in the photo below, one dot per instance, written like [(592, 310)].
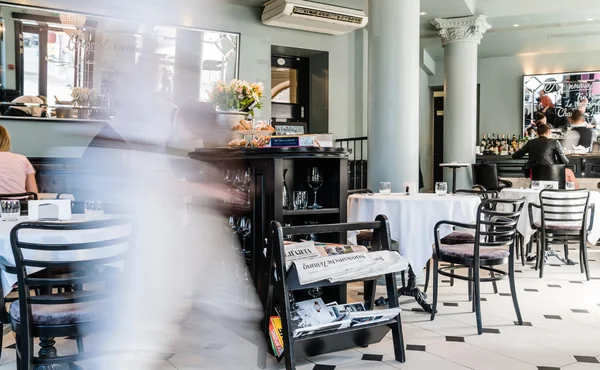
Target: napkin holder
[(49, 210), (548, 185)]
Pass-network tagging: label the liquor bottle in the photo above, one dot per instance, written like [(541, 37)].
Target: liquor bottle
[(483, 145)]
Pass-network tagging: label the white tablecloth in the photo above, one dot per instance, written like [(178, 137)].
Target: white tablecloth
[(412, 218), (533, 196), (49, 236)]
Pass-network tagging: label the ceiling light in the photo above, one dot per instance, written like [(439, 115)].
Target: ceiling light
[(515, 25), (423, 13), (590, 19)]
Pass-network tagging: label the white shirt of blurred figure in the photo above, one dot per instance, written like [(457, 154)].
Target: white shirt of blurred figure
[(183, 265)]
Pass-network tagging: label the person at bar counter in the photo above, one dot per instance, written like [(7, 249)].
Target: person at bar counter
[(539, 119), (28, 111), (580, 134), (544, 150), (16, 172)]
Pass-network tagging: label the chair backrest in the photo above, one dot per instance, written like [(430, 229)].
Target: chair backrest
[(497, 222), (564, 208), (483, 194), (79, 250), (486, 175), (549, 172)]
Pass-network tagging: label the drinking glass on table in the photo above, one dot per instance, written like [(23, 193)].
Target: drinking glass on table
[(10, 210), (385, 188), (315, 181), (94, 210), (300, 199), (570, 186), (441, 188)]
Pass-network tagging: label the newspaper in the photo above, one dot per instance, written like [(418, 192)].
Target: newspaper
[(346, 316), (309, 250), (351, 266)]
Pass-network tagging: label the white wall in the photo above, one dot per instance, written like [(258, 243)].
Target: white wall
[(425, 130)]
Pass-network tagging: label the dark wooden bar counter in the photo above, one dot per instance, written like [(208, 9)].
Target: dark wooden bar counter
[(584, 166)]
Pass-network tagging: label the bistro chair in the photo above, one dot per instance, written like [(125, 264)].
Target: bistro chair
[(72, 314), (494, 245), (462, 236), (486, 175), (549, 172), (563, 220), (22, 198)]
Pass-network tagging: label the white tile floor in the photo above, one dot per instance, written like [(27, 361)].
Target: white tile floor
[(562, 331)]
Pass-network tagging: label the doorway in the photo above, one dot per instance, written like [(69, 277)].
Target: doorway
[(438, 132), (290, 88)]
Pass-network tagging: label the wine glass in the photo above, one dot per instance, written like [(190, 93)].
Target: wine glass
[(315, 181), (229, 180), (244, 229)]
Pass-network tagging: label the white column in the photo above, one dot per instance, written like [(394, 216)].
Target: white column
[(461, 38), (393, 127)]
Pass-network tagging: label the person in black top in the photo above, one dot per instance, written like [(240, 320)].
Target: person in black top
[(541, 150), (544, 150)]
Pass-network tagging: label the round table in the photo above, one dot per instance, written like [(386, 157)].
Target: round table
[(454, 166)]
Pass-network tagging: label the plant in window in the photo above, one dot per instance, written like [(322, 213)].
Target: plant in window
[(84, 96), (237, 96)]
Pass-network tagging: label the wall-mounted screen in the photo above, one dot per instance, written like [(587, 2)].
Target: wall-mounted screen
[(557, 95)]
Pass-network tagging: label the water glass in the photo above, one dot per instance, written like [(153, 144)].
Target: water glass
[(10, 210), (441, 188), (300, 199), (385, 188), (94, 210), (570, 186), (535, 185)]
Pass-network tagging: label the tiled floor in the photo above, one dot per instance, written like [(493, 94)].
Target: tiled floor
[(562, 331)]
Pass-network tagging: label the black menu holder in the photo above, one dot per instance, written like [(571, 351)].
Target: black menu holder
[(279, 283)]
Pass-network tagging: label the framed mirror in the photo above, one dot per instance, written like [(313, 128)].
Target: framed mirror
[(557, 95), (51, 53)]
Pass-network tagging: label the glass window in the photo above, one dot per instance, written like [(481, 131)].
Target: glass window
[(31, 65), (284, 82), (61, 66)]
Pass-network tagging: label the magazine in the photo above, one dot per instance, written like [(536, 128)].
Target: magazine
[(310, 313), (276, 334)]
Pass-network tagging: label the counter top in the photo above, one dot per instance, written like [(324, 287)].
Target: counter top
[(239, 153), (508, 157)]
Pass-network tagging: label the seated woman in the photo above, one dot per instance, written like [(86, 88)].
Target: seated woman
[(16, 173), (28, 111), (544, 150)]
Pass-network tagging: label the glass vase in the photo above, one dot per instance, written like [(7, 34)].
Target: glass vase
[(285, 196)]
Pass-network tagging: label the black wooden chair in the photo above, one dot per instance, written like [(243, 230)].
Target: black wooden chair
[(563, 220), (73, 314), (486, 175), (22, 198), (462, 236), (549, 172), (494, 245)]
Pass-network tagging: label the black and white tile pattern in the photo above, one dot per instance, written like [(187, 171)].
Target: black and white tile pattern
[(561, 331)]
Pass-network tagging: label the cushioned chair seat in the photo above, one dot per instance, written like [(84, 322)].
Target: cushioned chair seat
[(62, 314), (553, 226), (467, 250), (459, 237)]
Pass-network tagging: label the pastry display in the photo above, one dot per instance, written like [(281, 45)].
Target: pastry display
[(257, 142), (243, 125)]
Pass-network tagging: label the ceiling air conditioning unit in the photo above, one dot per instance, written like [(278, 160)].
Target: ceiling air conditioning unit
[(311, 16)]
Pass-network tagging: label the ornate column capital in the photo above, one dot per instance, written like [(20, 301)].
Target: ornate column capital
[(461, 29)]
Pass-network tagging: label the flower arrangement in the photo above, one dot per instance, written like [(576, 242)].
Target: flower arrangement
[(84, 95), (237, 95)]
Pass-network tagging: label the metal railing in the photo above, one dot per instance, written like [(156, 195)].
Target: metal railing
[(357, 164)]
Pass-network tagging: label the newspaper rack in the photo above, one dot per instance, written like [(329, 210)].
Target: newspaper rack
[(279, 283)]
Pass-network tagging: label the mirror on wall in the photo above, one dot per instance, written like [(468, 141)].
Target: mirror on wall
[(557, 95), (51, 53)]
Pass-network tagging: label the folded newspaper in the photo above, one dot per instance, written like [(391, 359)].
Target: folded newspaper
[(337, 263), (313, 316)]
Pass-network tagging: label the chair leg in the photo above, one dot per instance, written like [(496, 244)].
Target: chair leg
[(513, 289), (451, 278), (522, 247), (403, 276), (80, 347), (566, 250), (585, 259), (542, 256), (581, 263), (492, 275), (427, 272), (435, 289), (476, 300), (470, 284)]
